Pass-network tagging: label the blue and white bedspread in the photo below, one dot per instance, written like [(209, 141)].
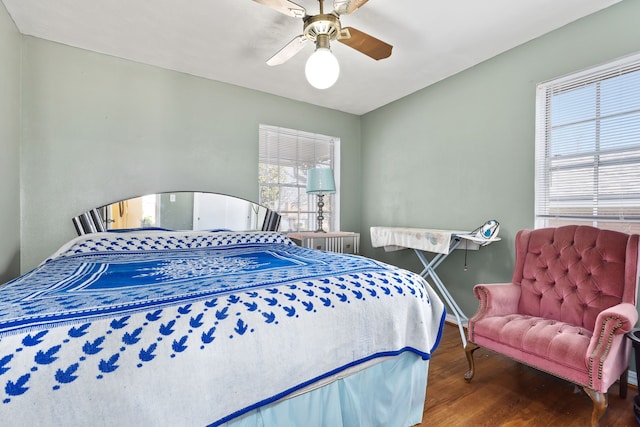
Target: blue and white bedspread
[(194, 329)]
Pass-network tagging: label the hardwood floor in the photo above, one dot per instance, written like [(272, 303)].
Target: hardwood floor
[(506, 393)]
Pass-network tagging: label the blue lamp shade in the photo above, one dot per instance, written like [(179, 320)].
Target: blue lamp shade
[(320, 181)]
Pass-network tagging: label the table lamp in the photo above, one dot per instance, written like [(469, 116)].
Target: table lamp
[(320, 182)]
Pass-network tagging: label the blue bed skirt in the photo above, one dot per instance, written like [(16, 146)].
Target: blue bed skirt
[(388, 394)]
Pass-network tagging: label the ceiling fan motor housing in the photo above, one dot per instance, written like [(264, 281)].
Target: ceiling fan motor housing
[(321, 25)]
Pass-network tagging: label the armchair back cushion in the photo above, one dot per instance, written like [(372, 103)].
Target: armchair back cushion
[(572, 273)]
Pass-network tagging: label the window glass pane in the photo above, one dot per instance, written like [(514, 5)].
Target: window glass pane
[(288, 174), (620, 131), (573, 106), (575, 184), (619, 181), (573, 139), (620, 94), (289, 199)]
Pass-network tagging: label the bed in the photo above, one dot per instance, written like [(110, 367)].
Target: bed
[(213, 328)]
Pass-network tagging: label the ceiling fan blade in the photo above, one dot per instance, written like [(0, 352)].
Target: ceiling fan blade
[(369, 45), (285, 6), (287, 52), (344, 7)]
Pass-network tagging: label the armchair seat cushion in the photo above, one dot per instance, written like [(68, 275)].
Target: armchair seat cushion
[(543, 343)]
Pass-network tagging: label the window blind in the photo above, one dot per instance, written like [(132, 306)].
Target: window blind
[(588, 147), (285, 156)]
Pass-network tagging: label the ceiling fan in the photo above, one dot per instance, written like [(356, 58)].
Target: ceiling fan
[(322, 69)]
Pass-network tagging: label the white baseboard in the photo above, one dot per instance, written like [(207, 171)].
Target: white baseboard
[(633, 376)]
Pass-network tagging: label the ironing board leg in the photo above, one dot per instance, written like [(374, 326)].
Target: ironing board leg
[(429, 271)]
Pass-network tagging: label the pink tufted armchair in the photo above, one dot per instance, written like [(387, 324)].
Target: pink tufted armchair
[(566, 312)]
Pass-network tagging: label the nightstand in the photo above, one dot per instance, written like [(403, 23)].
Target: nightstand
[(337, 241)]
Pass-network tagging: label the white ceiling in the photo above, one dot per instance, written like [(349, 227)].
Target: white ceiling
[(230, 40)]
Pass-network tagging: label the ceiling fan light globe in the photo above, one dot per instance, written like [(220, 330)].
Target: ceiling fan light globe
[(322, 69)]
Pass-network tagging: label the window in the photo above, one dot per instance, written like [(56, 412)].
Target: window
[(588, 148), (285, 156)]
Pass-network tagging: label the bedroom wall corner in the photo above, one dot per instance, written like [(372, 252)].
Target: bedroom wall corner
[(461, 151), (10, 59)]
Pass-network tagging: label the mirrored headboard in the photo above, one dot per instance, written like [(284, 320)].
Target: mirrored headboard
[(181, 210)]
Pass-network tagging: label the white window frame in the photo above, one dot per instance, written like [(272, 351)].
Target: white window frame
[(293, 152), (596, 171)]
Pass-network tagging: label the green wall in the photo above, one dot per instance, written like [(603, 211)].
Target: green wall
[(9, 147), (98, 129), (462, 151)]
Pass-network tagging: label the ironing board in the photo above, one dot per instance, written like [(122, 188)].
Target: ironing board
[(440, 242)]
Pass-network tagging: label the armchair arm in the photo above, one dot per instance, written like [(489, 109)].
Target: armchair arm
[(496, 299), (613, 321), (625, 312)]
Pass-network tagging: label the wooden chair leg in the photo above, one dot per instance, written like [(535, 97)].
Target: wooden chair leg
[(600, 403), (624, 382), (468, 351)]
